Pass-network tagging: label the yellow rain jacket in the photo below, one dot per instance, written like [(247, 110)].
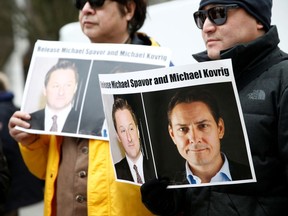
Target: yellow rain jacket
[(106, 197)]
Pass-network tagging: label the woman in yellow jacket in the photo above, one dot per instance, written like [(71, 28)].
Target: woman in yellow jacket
[(103, 22)]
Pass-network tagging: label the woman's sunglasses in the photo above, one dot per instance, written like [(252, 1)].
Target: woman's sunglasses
[(217, 15), (93, 3)]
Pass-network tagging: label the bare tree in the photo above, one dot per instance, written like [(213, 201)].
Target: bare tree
[(6, 31), (42, 19)]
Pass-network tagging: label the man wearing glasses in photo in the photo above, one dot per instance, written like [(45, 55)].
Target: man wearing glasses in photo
[(241, 30), (79, 174)]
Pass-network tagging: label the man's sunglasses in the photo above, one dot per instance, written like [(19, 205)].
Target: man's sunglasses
[(93, 3), (217, 15)]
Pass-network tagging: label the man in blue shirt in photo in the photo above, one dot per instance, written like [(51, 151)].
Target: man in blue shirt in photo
[(197, 128)]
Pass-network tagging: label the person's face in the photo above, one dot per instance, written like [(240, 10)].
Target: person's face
[(127, 133), (106, 24), (240, 27), (196, 134), (60, 89)]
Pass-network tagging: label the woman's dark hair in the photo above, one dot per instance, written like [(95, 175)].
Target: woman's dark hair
[(139, 15)]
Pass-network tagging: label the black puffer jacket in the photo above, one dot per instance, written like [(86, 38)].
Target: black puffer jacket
[(261, 73)]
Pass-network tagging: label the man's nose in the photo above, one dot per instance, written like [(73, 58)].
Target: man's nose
[(208, 26), (193, 135), (61, 90), (129, 138), (87, 8)]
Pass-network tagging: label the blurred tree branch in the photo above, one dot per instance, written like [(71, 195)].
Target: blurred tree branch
[(42, 19), (36, 19), (6, 31)]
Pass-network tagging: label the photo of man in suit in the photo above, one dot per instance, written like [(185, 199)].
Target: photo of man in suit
[(134, 166), (196, 127), (60, 86)]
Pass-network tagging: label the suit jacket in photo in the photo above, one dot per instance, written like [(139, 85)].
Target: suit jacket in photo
[(38, 118), (123, 171)]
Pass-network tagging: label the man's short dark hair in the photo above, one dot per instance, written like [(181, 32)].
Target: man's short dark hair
[(62, 64), (194, 95), (121, 104)]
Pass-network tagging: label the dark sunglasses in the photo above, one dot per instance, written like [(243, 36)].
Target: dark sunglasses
[(93, 3), (217, 15)]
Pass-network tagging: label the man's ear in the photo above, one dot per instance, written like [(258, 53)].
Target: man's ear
[(44, 91), (260, 26), (171, 133), (138, 132), (130, 10), (221, 128), (118, 138), (76, 87)]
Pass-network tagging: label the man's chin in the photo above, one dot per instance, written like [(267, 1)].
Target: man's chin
[(214, 55)]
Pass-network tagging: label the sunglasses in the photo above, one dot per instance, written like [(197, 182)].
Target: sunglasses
[(93, 3), (217, 15)]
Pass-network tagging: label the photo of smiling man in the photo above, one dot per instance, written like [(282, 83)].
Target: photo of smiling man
[(197, 128), (134, 166)]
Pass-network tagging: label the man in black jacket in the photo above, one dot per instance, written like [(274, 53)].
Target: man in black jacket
[(241, 30)]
